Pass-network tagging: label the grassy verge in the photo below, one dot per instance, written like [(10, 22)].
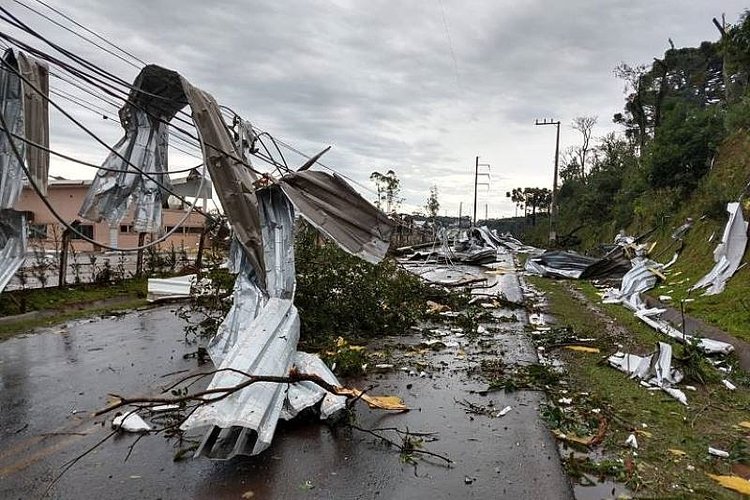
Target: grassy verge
[(730, 310), (711, 419), (55, 305)]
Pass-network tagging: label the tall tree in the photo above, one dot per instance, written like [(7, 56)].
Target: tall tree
[(389, 190), (584, 125), (433, 205)]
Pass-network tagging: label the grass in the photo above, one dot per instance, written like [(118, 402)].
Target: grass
[(710, 419), (729, 310), (57, 305)]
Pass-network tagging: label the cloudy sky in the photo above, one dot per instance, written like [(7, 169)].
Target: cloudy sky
[(420, 86)]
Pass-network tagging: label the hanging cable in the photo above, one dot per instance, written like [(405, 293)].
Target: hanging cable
[(99, 80), (94, 136), (71, 228), (76, 33), (94, 165), (103, 39)]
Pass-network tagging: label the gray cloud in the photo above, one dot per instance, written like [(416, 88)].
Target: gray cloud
[(378, 81)]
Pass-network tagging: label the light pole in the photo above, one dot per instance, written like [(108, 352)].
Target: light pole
[(553, 207), (476, 183)]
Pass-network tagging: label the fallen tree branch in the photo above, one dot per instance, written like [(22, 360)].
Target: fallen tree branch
[(221, 392), (402, 448)]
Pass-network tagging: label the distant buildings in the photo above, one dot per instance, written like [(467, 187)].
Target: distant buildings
[(66, 197)]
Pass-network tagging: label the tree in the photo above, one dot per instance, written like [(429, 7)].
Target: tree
[(584, 125), (389, 189), (433, 205), (517, 197), (635, 116), (531, 199)]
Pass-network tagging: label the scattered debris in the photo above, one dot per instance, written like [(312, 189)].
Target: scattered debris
[(728, 254), (582, 348), (734, 483), (718, 453), (729, 385), (130, 422), (170, 288), (654, 370), (632, 441)]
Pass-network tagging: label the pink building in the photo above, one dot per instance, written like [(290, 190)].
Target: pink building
[(66, 196)]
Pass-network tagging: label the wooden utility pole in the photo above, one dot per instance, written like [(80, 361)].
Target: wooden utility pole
[(553, 211)]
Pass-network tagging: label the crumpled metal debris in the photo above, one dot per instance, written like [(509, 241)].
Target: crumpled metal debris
[(130, 422), (728, 254), (152, 103), (559, 264), (170, 288), (477, 245), (654, 370), (13, 236), (25, 113), (642, 277), (338, 211), (260, 333), (305, 394), (569, 264)]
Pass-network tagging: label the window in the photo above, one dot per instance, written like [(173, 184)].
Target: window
[(193, 230), (85, 229), (38, 231), (126, 229)]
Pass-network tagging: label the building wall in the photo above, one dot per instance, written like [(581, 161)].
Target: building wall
[(67, 199)]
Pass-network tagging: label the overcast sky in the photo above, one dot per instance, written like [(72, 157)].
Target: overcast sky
[(419, 86)]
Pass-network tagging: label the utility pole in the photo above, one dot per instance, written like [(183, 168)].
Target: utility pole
[(460, 212), (553, 207), (476, 183)]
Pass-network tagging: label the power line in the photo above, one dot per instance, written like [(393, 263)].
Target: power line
[(73, 31), (92, 32), (70, 227), (96, 81), (93, 67), (92, 134), (93, 165)]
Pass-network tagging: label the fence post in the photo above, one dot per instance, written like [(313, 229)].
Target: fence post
[(63, 271), (201, 246), (139, 255)]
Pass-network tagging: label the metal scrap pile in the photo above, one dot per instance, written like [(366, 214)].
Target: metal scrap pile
[(477, 245), (259, 335)]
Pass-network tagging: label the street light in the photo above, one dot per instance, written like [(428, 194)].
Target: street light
[(476, 183), (553, 208)]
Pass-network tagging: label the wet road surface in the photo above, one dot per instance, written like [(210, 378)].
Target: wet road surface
[(53, 379)]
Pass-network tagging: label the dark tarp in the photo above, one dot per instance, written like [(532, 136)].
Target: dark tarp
[(614, 265)]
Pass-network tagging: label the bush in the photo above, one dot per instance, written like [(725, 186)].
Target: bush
[(338, 295), (341, 295)]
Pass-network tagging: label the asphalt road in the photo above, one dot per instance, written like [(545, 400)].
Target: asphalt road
[(52, 380)]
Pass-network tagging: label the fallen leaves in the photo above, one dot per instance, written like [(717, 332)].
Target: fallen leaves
[(582, 348), (734, 483), (394, 403)]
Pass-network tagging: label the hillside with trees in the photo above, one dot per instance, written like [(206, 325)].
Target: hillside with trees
[(681, 151)]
